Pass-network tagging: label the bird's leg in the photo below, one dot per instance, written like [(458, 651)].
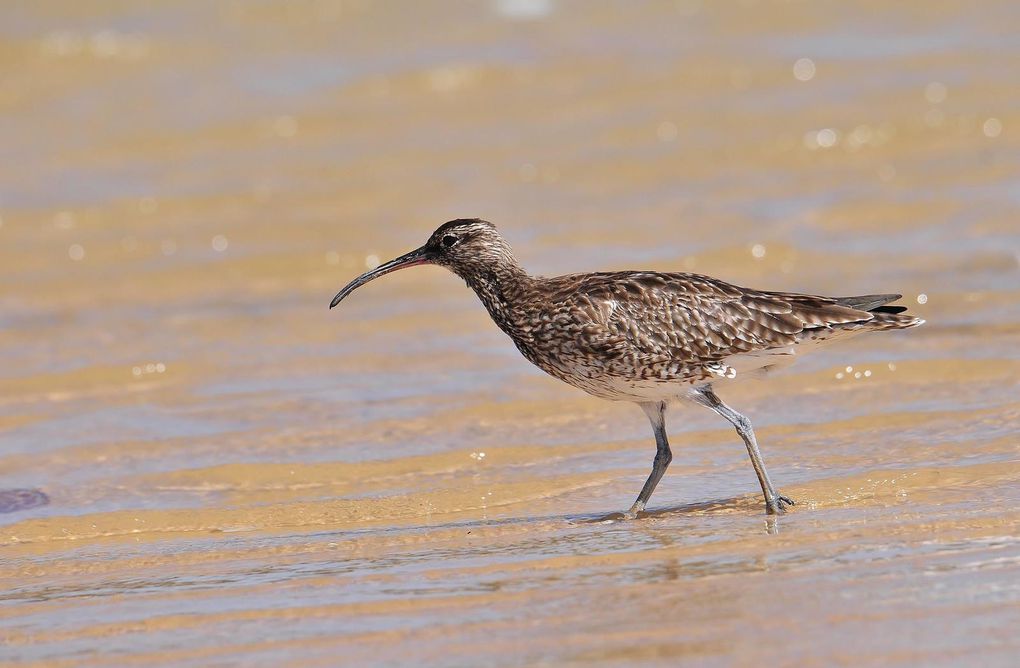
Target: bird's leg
[(775, 503), (656, 412)]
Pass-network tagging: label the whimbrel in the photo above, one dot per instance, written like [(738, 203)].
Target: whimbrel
[(643, 336)]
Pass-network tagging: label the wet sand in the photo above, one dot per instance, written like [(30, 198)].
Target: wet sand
[(202, 465)]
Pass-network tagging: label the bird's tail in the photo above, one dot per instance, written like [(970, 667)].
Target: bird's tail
[(884, 316)]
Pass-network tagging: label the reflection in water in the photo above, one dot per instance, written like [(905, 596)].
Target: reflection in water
[(239, 475), (12, 500)]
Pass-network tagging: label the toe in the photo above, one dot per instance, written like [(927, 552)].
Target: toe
[(777, 506)]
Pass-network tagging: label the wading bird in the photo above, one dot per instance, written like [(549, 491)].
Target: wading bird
[(643, 336)]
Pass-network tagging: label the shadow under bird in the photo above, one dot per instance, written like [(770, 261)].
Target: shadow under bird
[(644, 336)]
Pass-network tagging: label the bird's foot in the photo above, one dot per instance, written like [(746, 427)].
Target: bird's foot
[(632, 514), (777, 505)]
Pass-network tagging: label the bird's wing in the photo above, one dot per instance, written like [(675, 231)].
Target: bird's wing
[(690, 319)]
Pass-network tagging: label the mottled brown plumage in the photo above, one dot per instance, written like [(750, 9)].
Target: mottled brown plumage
[(641, 336)]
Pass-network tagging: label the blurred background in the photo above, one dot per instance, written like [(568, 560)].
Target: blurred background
[(201, 464)]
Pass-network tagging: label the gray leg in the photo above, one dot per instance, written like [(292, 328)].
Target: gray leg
[(775, 502), (656, 412)]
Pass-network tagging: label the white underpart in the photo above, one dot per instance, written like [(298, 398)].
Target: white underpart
[(756, 363), (641, 390), (721, 370)]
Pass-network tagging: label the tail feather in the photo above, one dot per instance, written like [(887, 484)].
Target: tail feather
[(885, 317), (874, 303), (894, 321)]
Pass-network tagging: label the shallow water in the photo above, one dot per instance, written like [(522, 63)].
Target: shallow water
[(201, 464)]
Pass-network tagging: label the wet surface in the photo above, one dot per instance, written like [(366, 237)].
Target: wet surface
[(12, 500), (236, 474)]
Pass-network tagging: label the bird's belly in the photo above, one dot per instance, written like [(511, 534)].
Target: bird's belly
[(626, 389), (629, 384)]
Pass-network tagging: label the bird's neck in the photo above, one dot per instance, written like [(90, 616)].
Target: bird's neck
[(502, 288)]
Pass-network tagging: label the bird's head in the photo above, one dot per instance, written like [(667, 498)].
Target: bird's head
[(467, 246)]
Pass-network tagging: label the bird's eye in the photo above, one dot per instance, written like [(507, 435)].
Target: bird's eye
[(449, 240)]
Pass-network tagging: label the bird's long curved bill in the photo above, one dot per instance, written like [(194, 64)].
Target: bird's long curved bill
[(415, 257)]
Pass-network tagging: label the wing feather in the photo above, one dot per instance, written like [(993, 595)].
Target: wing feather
[(691, 319)]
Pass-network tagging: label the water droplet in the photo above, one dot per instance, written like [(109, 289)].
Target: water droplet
[(827, 138), (849, 369), (804, 69), (758, 251), (371, 261), (76, 252), (992, 127), (862, 134), (839, 375), (64, 220), (867, 373), (922, 298), (857, 374), (824, 138), (219, 243), (892, 367)]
